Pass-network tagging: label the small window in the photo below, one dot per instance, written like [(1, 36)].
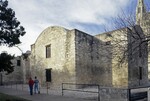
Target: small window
[(139, 10), (48, 75), (18, 63), (48, 51), (140, 73), (108, 42)]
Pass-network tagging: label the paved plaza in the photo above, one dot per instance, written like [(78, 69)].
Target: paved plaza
[(39, 97), (22, 91)]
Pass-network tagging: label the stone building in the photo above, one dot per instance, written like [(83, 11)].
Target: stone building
[(143, 19), (21, 71), (77, 57), (132, 69), (73, 56)]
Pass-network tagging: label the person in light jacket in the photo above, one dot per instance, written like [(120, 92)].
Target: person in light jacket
[(36, 85)]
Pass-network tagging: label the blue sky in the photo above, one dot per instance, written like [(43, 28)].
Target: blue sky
[(89, 16)]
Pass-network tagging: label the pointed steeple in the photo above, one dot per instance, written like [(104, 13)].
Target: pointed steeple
[(140, 10)]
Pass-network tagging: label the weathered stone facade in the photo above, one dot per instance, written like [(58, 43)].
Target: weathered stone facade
[(123, 44), (74, 56), (21, 71), (93, 62), (143, 19), (77, 57), (62, 59), (17, 74), (119, 74)]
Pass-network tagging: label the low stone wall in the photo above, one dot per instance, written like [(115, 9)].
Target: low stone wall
[(113, 94), (148, 94)]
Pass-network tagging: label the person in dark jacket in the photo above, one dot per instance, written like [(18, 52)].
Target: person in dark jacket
[(31, 83)]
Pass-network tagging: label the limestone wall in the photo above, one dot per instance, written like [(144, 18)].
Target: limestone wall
[(138, 59), (92, 64), (78, 57), (62, 59), (27, 69), (146, 29), (145, 25), (113, 94), (21, 72), (126, 52), (118, 40), (17, 75)]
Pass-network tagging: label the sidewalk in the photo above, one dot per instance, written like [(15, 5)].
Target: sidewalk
[(38, 97)]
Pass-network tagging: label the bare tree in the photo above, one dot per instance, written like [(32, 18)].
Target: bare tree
[(127, 37)]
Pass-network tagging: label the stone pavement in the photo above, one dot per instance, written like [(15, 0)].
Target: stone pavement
[(39, 97)]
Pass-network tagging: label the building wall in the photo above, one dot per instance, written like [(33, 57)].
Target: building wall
[(146, 29), (113, 94), (62, 60), (144, 17), (26, 63), (118, 40), (17, 75), (77, 57), (92, 63), (138, 58), (127, 72), (21, 71), (145, 23)]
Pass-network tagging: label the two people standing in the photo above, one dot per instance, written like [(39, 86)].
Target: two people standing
[(35, 83)]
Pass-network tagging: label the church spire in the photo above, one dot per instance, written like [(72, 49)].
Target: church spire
[(140, 10)]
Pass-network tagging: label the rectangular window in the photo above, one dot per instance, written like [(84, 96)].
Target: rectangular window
[(18, 63), (108, 43), (48, 75), (48, 51), (140, 73), (139, 9)]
